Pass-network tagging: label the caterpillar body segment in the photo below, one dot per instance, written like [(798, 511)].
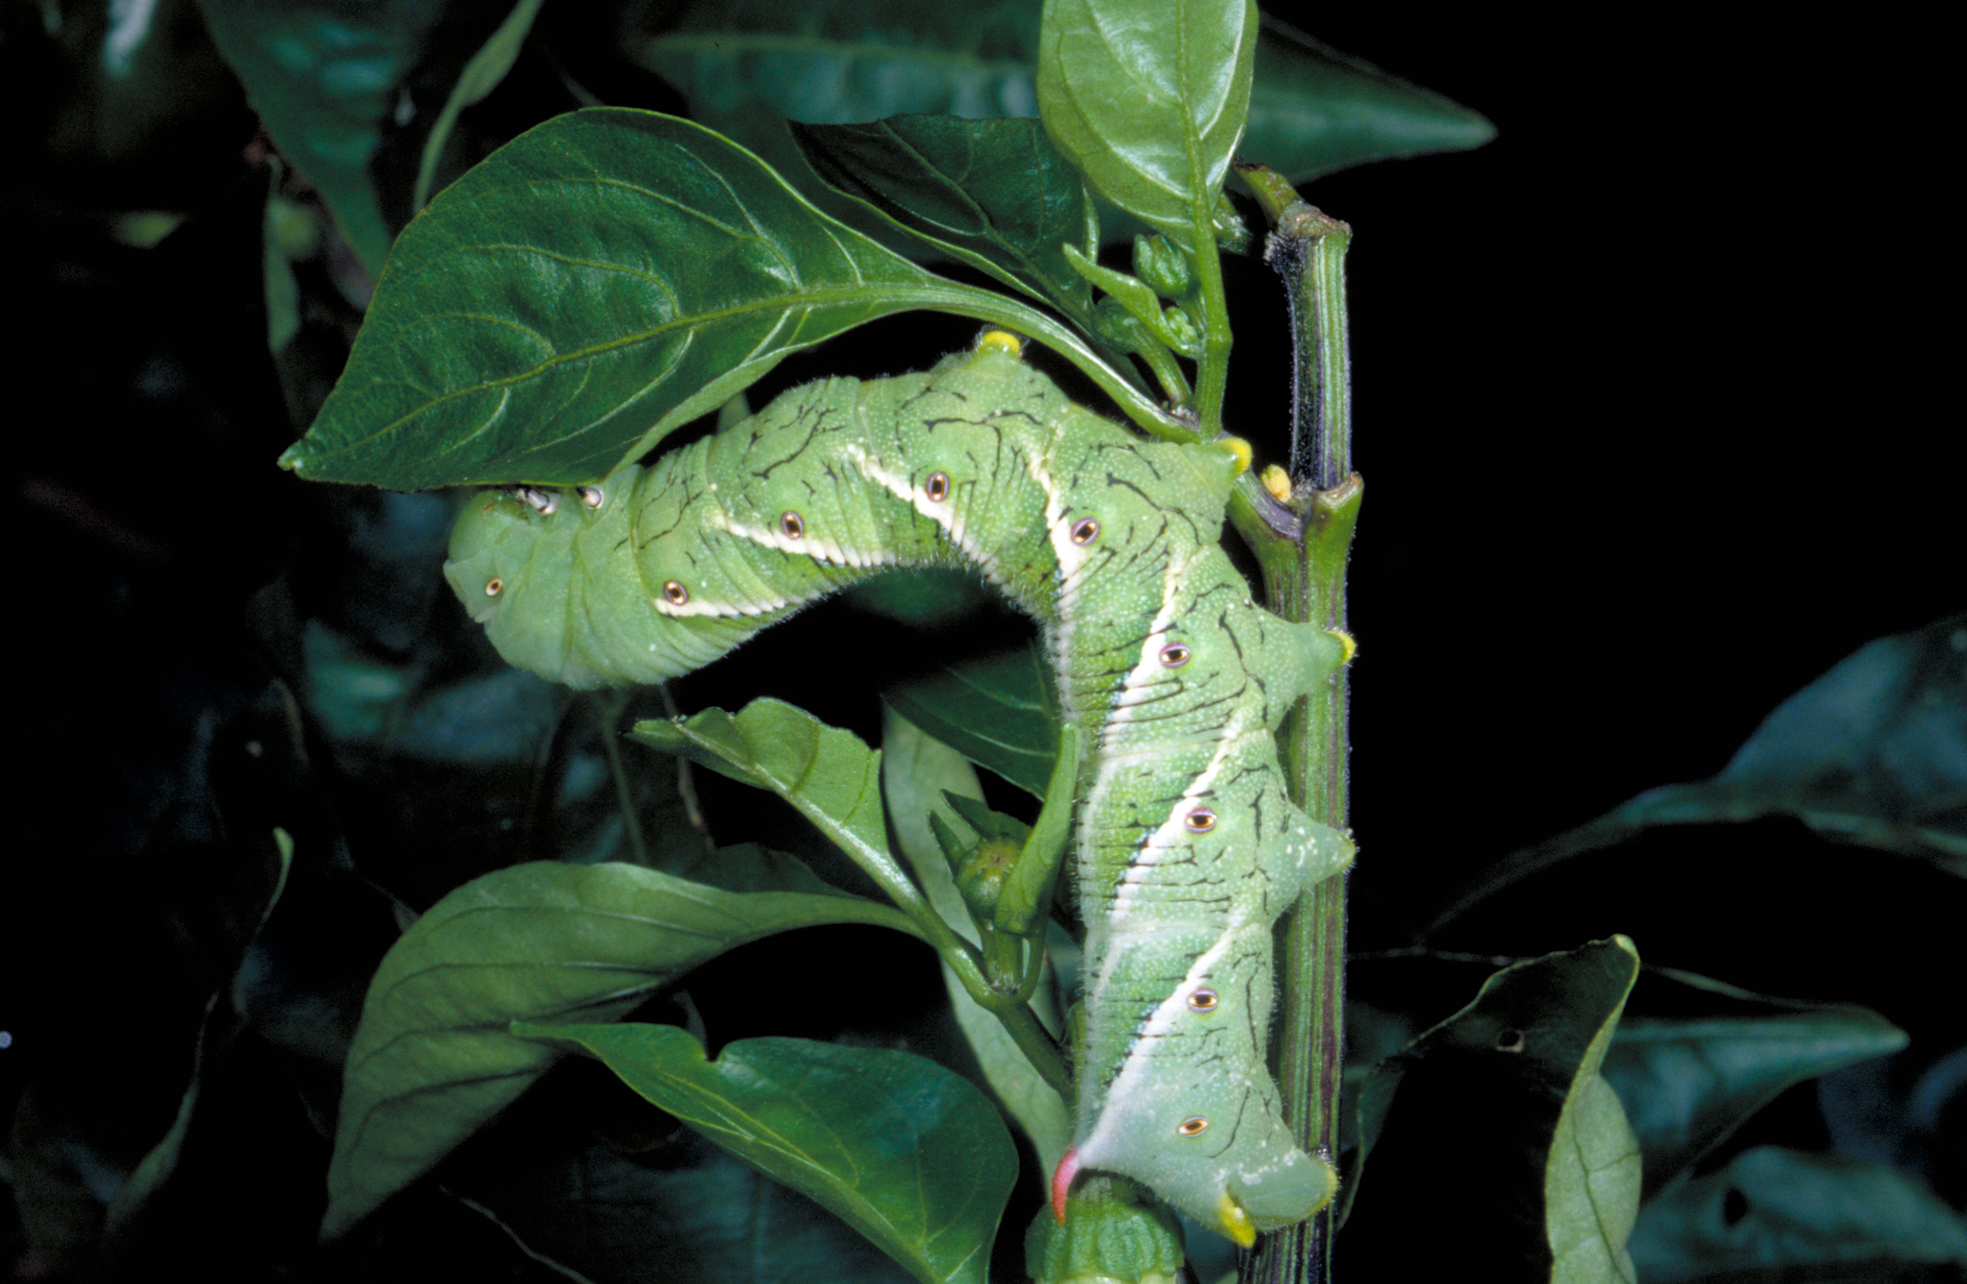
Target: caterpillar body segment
[(1186, 846)]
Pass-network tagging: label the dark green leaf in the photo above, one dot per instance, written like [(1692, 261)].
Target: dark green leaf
[(215, 1035), (994, 193), (432, 1061), (323, 76), (999, 712), (1775, 1214), (1498, 1123), (1688, 1080), (916, 772), (684, 1212), (1315, 110), (747, 867), (747, 67), (596, 283), (907, 1153), (492, 718), (1149, 100), (922, 596), (481, 76), (1873, 752)]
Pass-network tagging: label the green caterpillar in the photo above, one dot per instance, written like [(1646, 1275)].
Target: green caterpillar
[(1187, 848)]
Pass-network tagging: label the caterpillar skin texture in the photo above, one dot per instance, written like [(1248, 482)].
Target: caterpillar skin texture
[(1187, 848)]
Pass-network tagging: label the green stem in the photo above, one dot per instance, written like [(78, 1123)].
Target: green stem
[(1212, 368), (1167, 373), (1304, 579), (608, 706), (1000, 309)]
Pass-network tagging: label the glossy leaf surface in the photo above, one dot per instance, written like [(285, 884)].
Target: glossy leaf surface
[(323, 77), (1149, 99), (603, 279), (432, 1061), (995, 194), (1775, 1214), (1688, 1080), (1873, 752), (911, 1155), (1498, 1122), (999, 712)]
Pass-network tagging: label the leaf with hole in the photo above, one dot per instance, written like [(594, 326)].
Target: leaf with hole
[(1776, 1214), (1498, 1121)]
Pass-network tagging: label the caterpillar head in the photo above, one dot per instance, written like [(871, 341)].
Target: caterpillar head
[(542, 570)]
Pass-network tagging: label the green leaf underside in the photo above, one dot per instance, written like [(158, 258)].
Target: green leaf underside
[(829, 775), (1688, 1081), (323, 77), (1149, 100), (1874, 752), (1775, 1214), (994, 193), (1497, 1121), (999, 712), (916, 769), (909, 1154), (432, 1061)]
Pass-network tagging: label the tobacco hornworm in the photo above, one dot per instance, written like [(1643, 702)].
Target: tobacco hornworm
[(1187, 847)]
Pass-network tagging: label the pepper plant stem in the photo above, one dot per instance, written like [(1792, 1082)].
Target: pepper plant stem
[(1305, 580)]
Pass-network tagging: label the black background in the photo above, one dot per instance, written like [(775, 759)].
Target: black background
[(1652, 399)]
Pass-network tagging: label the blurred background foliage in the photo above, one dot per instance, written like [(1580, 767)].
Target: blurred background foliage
[(1645, 396)]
